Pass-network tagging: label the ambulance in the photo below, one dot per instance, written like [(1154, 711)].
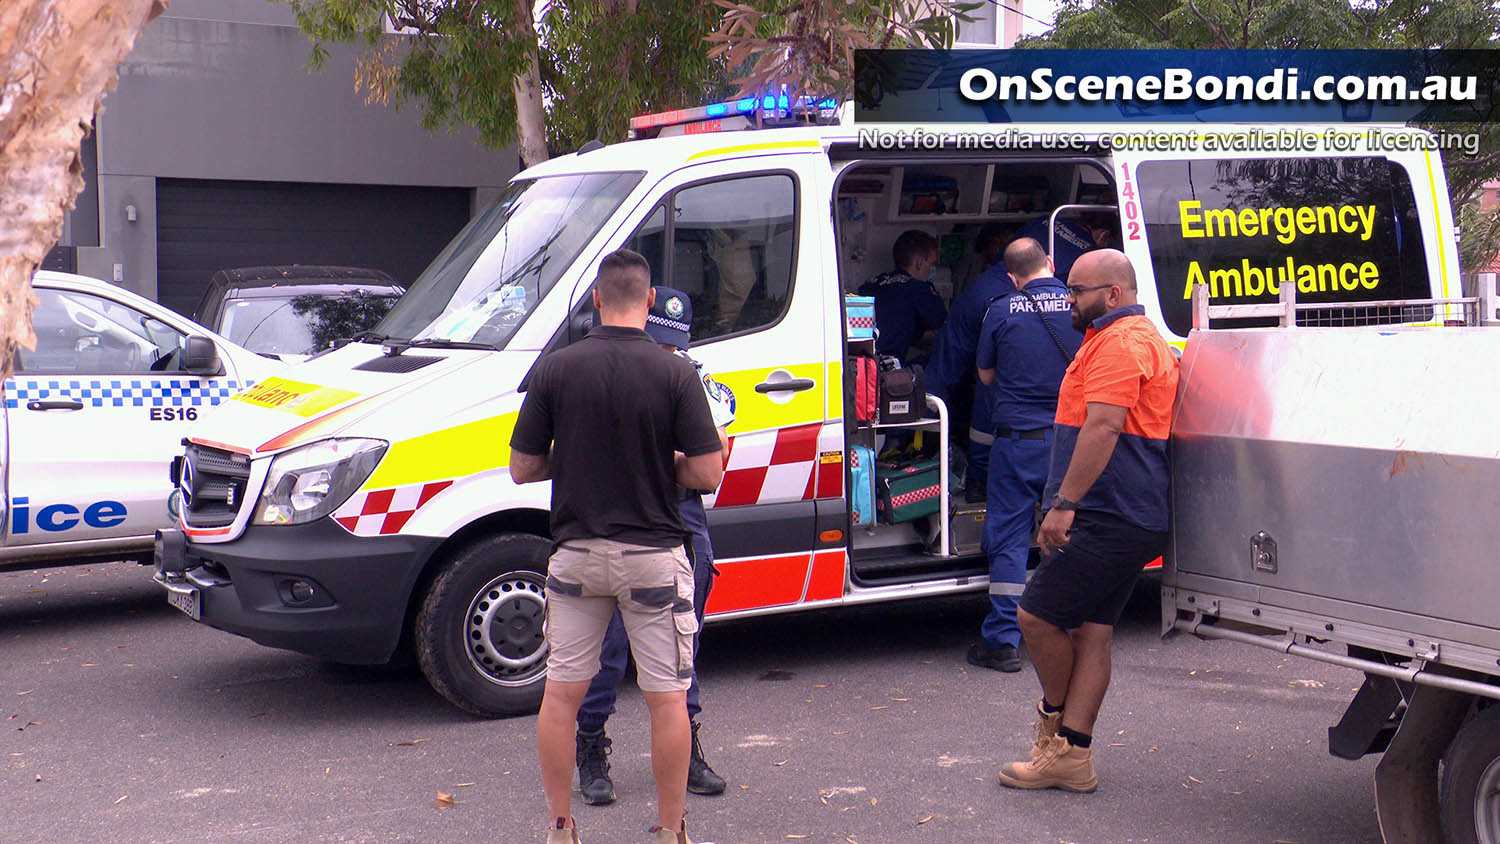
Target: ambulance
[(359, 503)]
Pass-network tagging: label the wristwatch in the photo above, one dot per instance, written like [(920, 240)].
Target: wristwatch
[(1060, 503)]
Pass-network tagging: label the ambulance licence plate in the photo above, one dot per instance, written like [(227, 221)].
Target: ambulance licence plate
[(185, 598)]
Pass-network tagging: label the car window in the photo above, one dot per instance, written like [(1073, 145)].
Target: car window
[(83, 334), (729, 245), (301, 325)]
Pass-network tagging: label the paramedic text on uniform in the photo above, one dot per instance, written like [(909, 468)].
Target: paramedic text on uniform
[(1026, 343), (603, 418), (670, 324), (1108, 516), (907, 307), (950, 372)]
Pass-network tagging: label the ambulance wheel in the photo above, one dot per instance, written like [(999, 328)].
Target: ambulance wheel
[(478, 634), (1470, 795)]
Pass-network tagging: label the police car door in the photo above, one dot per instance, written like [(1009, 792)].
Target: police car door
[(92, 429), (742, 243)]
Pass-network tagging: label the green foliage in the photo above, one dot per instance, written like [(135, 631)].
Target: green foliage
[(601, 62), (1306, 24), (808, 45)]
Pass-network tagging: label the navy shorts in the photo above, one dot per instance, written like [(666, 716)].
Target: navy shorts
[(1090, 579)]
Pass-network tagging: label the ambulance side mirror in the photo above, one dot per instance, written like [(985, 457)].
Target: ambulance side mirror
[(579, 325), (201, 357)]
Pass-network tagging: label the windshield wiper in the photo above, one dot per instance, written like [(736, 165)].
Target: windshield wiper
[(365, 337), (396, 347)]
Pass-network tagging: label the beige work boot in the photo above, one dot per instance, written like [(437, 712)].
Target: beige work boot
[(1046, 727), (1054, 764), (667, 836), (567, 835)]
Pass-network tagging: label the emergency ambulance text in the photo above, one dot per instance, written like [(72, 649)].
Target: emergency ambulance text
[(1285, 223)]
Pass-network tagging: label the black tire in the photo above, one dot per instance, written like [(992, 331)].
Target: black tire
[(478, 634), (1470, 794)]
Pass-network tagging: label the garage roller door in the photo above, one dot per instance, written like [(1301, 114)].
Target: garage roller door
[(203, 226)]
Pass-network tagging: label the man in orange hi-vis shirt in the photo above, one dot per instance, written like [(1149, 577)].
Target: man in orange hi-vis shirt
[(1108, 515)]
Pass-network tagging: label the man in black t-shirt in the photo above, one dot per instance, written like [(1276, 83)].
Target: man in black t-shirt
[(617, 425)]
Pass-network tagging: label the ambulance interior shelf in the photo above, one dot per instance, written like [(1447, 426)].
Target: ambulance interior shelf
[(939, 422), (1013, 192)]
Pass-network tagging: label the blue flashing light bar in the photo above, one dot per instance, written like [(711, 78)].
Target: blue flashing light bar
[(774, 106)]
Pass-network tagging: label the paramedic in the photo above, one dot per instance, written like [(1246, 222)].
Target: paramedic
[(617, 425), (950, 373), (1026, 343), (1074, 237), (1107, 519), (669, 324), (907, 308)]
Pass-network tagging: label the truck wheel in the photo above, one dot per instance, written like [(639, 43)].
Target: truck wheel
[(1470, 797), (478, 634)]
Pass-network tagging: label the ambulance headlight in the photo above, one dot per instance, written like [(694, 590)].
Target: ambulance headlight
[(310, 482)]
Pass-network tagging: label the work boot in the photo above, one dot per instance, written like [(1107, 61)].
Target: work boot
[(1055, 763), (563, 836), (1046, 727), (667, 836), (1005, 658), (593, 769), (701, 778)]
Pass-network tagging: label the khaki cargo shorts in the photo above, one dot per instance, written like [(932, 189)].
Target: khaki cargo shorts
[(653, 587)]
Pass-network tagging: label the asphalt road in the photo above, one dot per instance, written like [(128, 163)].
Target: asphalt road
[(125, 721)]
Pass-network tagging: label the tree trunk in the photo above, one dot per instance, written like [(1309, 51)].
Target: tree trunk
[(531, 123), (57, 57)]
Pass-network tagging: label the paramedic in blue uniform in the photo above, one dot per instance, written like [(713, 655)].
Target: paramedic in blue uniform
[(907, 307), (950, 372), (668, 322), (1026, 342), (1074, 237)]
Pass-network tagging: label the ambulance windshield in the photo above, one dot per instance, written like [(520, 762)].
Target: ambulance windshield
[(485, 282)]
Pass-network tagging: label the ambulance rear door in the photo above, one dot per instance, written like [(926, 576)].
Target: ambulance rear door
[(1345, 229), (742, 238)]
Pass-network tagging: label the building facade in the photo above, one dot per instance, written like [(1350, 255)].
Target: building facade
[(221, 148)]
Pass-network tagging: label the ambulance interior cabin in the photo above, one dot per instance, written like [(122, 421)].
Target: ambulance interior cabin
[(875, 201)]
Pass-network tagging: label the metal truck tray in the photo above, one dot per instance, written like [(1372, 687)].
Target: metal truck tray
[(1347, 476)]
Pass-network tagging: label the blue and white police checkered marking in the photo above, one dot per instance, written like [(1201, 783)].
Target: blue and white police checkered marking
[(124, 392)]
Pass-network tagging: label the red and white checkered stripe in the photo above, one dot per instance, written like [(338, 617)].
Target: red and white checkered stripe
[(861, 322), (385, 511), (905, 498), (786, 464)]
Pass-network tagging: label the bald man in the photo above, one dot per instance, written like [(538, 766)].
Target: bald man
[(1107, 515)]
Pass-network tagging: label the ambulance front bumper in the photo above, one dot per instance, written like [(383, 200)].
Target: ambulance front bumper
[(310, 588)]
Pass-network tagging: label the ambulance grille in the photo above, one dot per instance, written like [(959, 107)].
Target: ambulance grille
[(213, 485)]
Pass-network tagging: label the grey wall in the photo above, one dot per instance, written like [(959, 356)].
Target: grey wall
[(220, 89)]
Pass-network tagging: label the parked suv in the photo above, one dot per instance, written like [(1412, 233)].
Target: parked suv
[(94, 416), (291, 312)]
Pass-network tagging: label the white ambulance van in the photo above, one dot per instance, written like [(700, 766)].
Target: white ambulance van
[(361, 499)]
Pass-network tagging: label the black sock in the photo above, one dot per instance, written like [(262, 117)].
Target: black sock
[(1075, 738), (590, 727), (1049, 709)]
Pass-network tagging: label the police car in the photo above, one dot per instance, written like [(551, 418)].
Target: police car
[(375, 502), (94, 416)]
